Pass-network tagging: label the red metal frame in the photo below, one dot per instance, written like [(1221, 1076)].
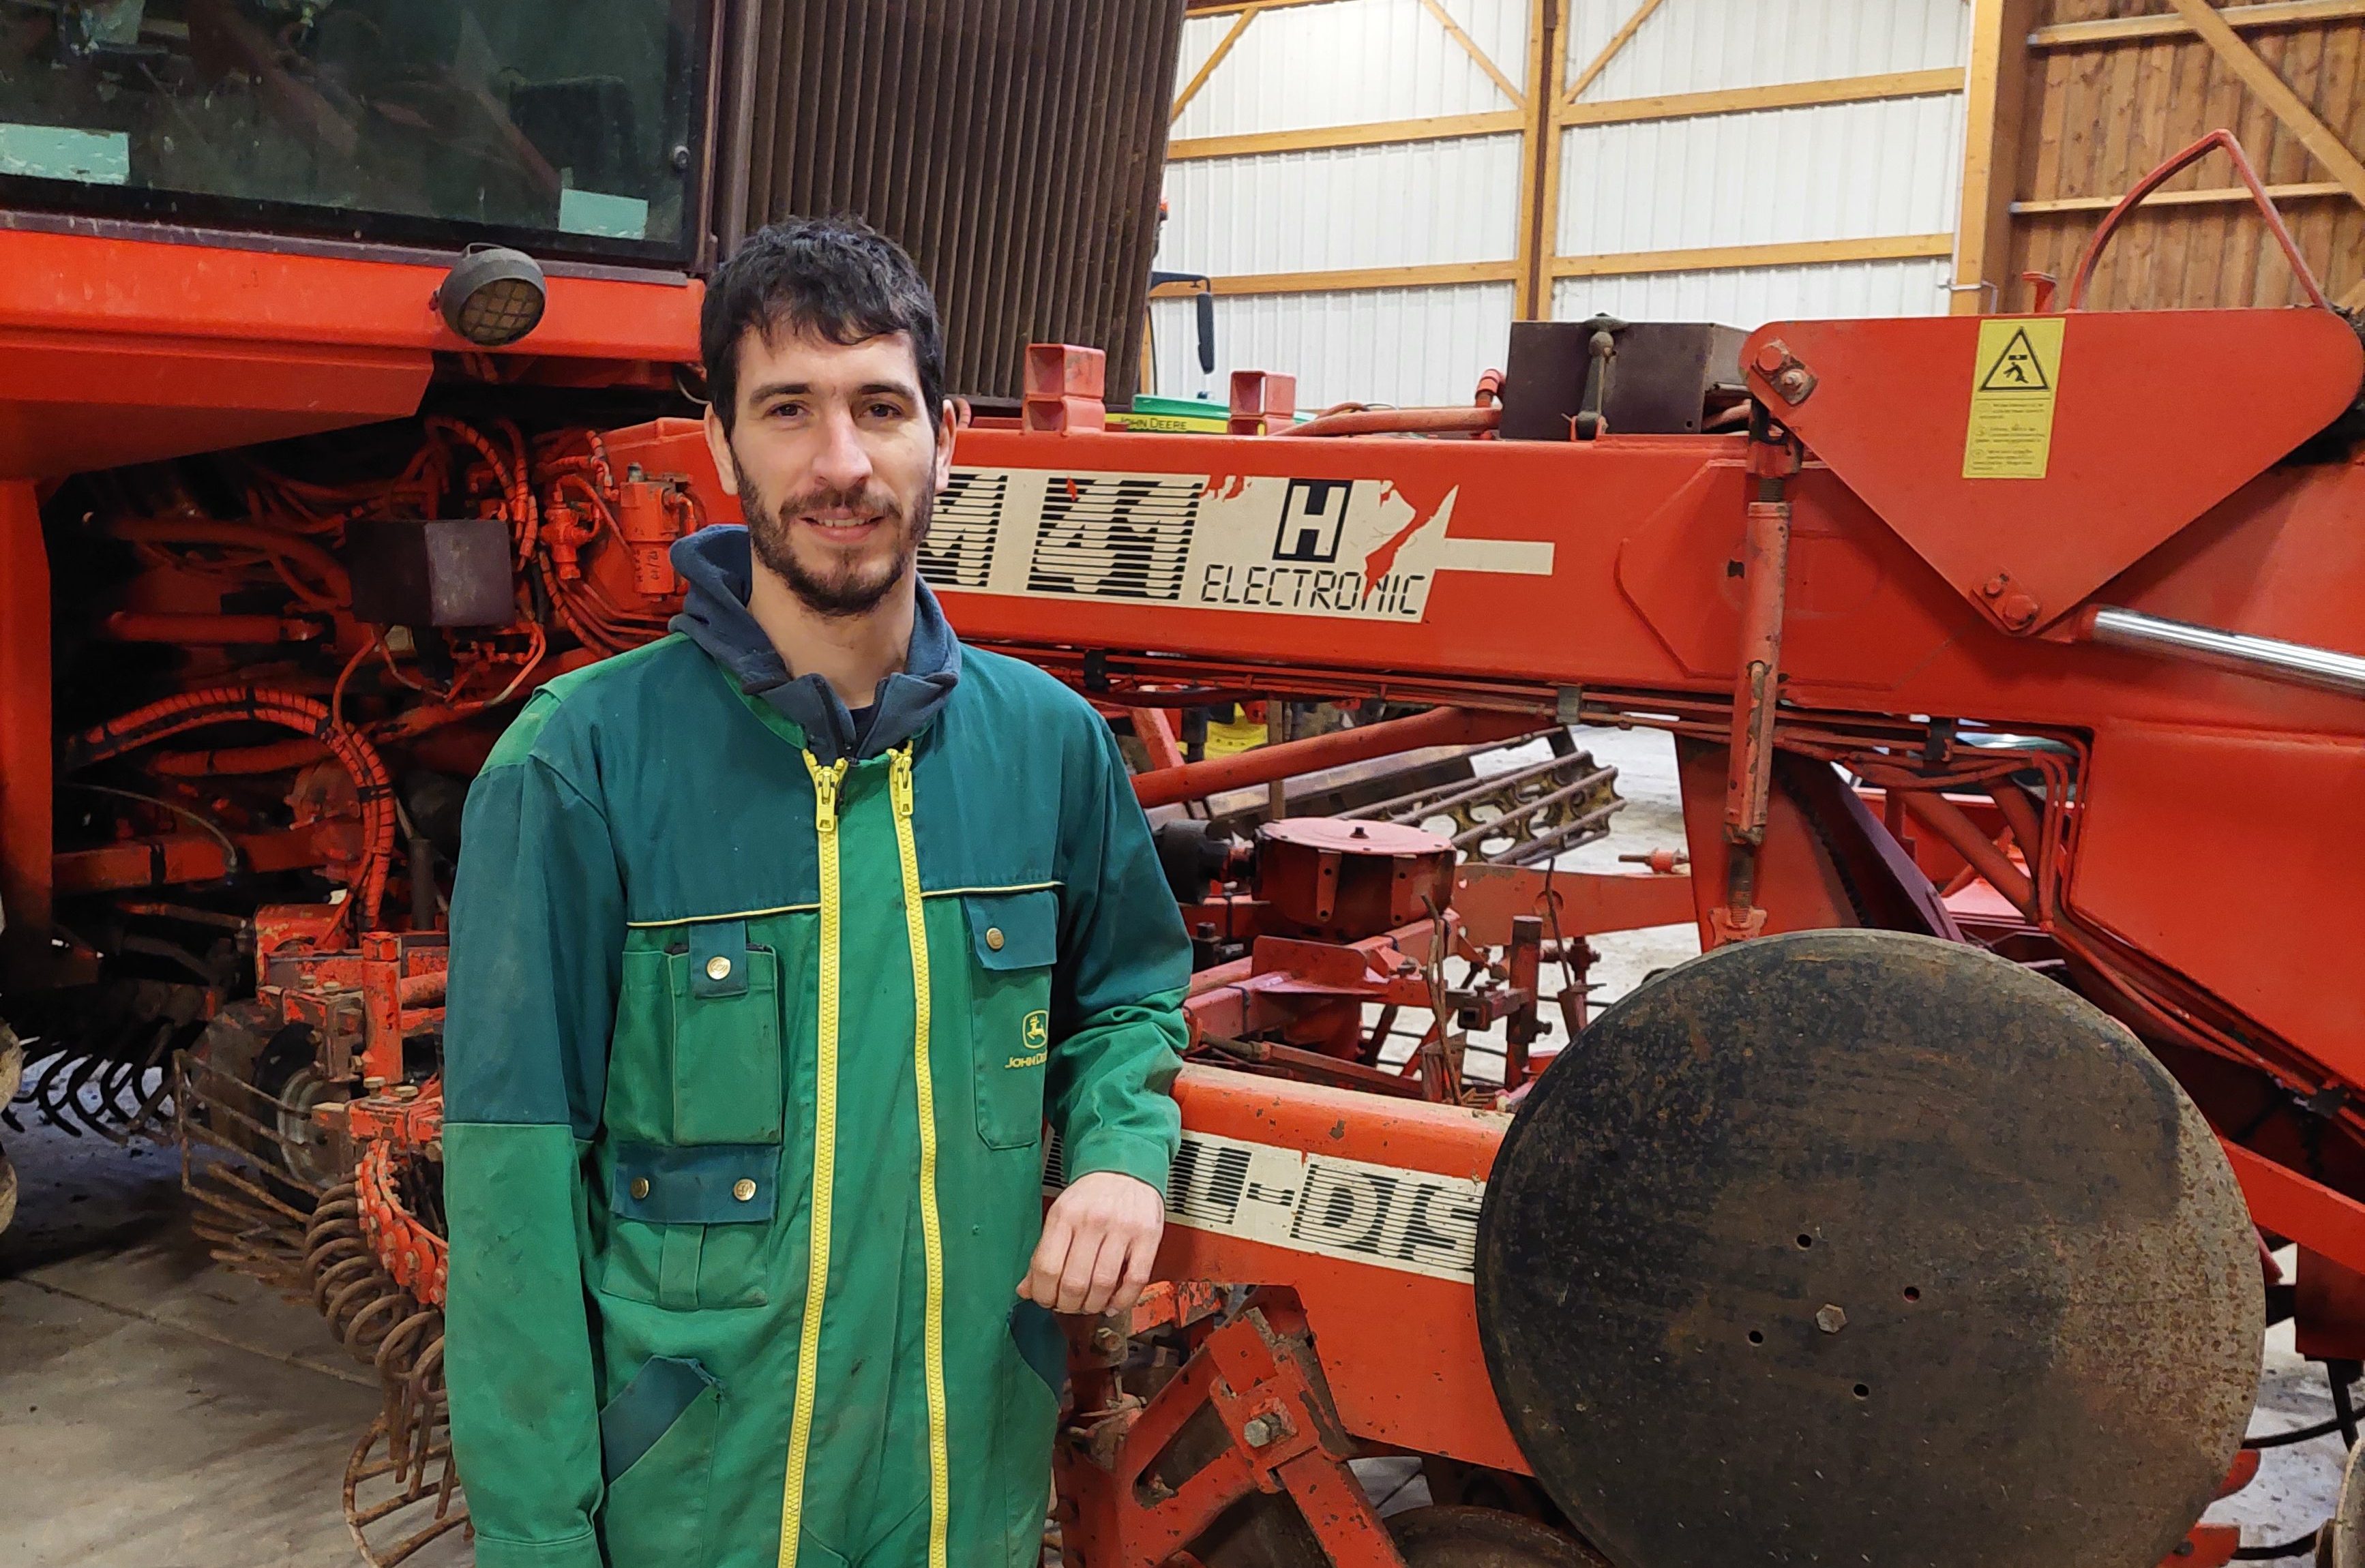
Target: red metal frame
[(1267, 1388), (26, 782)]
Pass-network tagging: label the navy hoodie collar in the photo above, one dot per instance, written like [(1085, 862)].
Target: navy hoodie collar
[(718, 563)]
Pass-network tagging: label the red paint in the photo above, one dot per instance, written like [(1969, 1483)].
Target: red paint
[(1381, 561)]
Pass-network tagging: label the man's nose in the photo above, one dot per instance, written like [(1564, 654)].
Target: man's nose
[(843, 463)]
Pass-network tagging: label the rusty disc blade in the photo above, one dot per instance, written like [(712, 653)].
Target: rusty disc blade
[(1851, 1247)]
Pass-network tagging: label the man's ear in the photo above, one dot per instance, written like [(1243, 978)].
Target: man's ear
[(718, 443), (946, 431)]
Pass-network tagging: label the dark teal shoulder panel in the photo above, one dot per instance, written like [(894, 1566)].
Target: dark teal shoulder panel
[(1011, 755), (712, 812)]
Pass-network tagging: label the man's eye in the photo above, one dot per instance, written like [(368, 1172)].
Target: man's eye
[(784, 410), (886, 411)]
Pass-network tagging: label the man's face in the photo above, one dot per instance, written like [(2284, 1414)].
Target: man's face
[(835, 464)]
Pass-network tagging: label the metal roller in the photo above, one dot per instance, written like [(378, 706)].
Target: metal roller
[(1853, 1246)]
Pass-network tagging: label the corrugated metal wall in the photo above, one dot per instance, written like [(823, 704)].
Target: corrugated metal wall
[(1735, 160), (1864, 171), (2103, 110), (1406, 346), (1339, 209), (1014, 147)]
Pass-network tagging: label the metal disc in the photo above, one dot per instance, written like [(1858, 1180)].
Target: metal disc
[(1849, 1248)]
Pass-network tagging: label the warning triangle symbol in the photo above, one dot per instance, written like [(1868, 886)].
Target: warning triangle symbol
[(2016, 369)]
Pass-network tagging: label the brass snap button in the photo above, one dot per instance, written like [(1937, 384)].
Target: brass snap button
[(994, 937), (640, 1186), (718, 967), (744, 1189)]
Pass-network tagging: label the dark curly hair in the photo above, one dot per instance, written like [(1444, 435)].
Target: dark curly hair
[(835, 278)]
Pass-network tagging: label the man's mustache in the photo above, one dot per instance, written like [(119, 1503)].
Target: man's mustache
[(862, 500)]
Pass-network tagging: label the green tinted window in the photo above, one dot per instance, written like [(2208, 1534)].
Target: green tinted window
[(566, 124)]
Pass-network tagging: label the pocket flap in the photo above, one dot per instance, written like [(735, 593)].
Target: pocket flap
[(718, 959), (1015, 930), (714, 1183), (641, 1411)]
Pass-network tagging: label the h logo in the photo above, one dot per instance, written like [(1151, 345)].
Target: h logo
[(1312, 515)]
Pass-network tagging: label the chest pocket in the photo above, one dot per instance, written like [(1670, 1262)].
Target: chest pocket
[(694, 1112), (726, 1038), (1014, 939)]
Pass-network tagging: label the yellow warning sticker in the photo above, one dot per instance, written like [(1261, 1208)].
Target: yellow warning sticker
[(2013, 383)]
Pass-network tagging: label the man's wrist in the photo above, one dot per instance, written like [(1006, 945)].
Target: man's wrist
[(1147, 1160)]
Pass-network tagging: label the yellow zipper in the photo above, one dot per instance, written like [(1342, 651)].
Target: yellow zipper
[(932, 1241), (827, 782)]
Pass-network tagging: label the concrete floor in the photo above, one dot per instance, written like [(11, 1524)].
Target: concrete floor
[(157, 1411)]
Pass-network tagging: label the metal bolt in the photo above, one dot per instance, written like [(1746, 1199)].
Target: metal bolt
[(1107, 1340), (406, 1092), (1830, 1319), (1994, 584), (1792, 380), (1259, 1431), (1770, 355), (2016, 609)]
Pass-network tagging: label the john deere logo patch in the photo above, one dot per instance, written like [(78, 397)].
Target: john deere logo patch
[(1036, 1031)]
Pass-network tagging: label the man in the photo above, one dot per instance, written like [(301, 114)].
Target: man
[(773, 944)]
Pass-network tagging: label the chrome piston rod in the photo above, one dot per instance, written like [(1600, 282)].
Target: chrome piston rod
[(2262, 656)]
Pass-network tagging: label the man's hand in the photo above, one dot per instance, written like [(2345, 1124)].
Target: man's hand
[(1099, 1241)]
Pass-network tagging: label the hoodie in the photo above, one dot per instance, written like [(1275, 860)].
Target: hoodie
[(719, 565)]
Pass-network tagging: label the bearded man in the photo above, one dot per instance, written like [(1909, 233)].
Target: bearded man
[(774, 944)]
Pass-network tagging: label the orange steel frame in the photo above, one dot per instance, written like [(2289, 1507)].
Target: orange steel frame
[(2197, 883)]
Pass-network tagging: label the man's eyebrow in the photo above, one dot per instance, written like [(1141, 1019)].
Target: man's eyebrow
[(780, 389), (903, 390)]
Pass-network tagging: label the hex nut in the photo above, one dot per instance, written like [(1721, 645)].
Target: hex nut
[(1830, 1319)]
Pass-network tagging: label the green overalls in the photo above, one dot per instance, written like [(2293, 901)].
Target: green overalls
[(734, 1259)]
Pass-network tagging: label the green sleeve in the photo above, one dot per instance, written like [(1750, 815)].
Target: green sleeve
[(1125, 961), (537, 931)]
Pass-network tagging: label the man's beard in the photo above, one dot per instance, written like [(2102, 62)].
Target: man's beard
[(849, 589)]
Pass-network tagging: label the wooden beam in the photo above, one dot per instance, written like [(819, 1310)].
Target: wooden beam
[(1379, 133), (1714, 258), (1544, 232), (1538, 137), (2117, 29), (1351, 279), (1469, 46), (1783, 95), (1617, 40), (1234, 7), (1214, 58), (1994, 100), (2288, 106), (2179, 198)]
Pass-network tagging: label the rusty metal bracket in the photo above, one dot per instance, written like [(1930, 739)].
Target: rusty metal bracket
[(1124, 1505)]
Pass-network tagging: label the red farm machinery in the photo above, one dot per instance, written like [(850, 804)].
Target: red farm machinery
[(2012, 665)]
